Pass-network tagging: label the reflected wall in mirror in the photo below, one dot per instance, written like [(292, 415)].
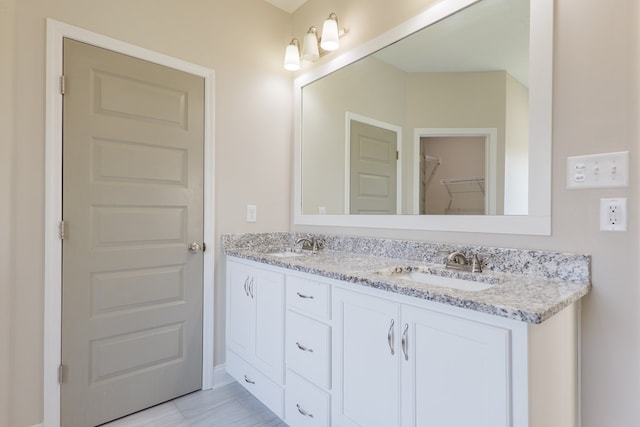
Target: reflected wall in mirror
[(466, 72), (474, 74)]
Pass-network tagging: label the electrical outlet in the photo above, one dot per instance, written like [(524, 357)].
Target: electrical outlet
[(613, 214), (252, 213)]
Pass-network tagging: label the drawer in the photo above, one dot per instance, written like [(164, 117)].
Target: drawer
[(309, 296), (305, 404), (308, 348), (265, 390)]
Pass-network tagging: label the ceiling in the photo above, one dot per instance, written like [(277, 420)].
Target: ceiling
[(287, 5)]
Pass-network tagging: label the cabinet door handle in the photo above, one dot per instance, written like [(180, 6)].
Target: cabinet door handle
[(390, 336), (246, 286), (247, 380), (405, 341), (251, 288), (303, 348), (304, 296), (303, 412)]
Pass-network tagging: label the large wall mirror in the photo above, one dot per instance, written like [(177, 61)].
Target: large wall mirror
[(443, 123)]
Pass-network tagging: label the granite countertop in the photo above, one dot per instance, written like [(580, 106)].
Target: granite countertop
[(532, 296)]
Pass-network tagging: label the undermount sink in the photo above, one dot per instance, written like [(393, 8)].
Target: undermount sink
[(422, 276), (285, 252)]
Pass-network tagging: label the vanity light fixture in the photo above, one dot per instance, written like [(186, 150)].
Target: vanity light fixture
[(310, 49), (313, 47), (292, 56), (330, 38)]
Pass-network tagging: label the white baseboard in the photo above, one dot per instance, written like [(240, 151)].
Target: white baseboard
[(220, 376)]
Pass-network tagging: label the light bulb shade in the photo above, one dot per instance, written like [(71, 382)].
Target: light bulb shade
[(310, 51), (292, 57), (330, 38)]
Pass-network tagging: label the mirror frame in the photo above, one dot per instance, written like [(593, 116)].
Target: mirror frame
[(538, 220)]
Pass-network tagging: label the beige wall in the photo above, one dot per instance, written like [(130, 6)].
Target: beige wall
[(595, 110), (6, 189), (243, 41)]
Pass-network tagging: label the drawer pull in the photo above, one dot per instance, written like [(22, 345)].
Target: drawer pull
[(303, 412), (390, 337), (247, 380), (304, 296), (303, 348)]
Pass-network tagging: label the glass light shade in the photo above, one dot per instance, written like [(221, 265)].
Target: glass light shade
[(310, 50), (330, 39), (292, 58)]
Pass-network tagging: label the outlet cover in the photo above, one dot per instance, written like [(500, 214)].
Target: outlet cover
[(613, 214)]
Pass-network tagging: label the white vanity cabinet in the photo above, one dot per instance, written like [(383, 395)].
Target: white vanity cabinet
[(255, 331), (321, 352), (406, 366)]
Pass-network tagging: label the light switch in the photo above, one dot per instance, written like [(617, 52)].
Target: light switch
[(252, 213), (598, 170)]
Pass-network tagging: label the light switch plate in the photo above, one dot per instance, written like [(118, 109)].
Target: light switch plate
[(607, 170), (252, 213)]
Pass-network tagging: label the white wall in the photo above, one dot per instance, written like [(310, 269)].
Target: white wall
[(242, 40), (595, 109)]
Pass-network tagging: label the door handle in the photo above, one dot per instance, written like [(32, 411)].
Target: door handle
[(390, 337), (194, 247), (405, 341)]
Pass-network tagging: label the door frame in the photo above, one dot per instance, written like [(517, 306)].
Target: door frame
[(491, 155), (347, 169), (56, 32)]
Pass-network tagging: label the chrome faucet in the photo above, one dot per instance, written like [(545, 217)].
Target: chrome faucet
[(310, 243), (458, 261)]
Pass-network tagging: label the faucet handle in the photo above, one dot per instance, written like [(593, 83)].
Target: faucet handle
[(478, 261)]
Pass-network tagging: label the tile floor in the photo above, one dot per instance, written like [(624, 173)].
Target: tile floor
[(228, 406)]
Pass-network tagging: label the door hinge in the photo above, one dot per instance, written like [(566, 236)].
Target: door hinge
[(204, 247), (61, 230), (397, 155), (60, 374), (62, 85)]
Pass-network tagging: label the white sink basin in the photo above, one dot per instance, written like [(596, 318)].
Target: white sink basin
[(287, 254), (424, 277)]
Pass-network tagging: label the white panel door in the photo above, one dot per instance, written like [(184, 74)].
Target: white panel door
[(455, 373), (366, 377), (132, 203)]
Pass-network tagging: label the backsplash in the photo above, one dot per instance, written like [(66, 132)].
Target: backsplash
[(530, 263)]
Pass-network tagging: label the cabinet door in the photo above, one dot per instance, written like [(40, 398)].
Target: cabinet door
[(366, 374), (240, 310), (455, 372), (267, 290)]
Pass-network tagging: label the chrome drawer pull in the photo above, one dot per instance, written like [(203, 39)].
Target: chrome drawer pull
[(390, 337), (303, 348), (303, 412), (248, 380), (304, 296)]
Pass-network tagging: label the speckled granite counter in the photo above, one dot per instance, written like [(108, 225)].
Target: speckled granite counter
[(529, 286)]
